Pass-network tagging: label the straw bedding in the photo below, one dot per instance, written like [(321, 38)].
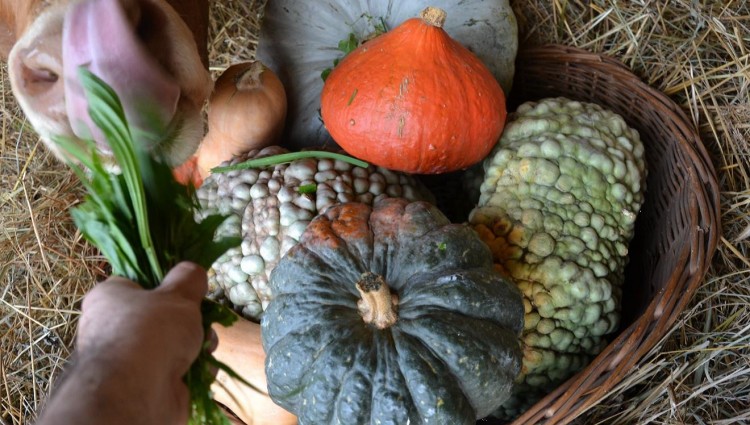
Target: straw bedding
[(698, 53)]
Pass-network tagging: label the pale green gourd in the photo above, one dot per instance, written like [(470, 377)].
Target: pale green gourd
[(558, 201)]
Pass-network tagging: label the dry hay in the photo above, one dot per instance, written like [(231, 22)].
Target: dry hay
[(44, 266), (696, 52)]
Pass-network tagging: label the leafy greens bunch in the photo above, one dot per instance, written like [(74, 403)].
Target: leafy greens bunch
[(143, 222)]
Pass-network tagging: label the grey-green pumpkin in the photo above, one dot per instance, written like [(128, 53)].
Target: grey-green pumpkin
[(390, 314)]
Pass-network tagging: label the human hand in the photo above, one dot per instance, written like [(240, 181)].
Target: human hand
[(144, 341)]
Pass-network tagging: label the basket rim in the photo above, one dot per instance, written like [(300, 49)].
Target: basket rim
[(591, 385)]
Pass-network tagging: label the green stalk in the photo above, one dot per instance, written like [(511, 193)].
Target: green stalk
[(99, 96), (289, 157)]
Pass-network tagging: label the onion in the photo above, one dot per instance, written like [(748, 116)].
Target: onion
[(246, 111)]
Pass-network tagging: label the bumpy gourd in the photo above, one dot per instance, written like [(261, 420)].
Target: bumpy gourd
[(557, 206), (271, 207), (390, 315), (299, 39)]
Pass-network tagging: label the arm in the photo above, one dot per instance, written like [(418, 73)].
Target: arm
[(132, 349)]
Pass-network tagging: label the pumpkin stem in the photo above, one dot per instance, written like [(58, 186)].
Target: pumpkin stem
[(249, 78), (434, 16), (378, 305)]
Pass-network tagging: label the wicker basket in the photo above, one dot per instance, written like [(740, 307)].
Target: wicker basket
[(676, 232)]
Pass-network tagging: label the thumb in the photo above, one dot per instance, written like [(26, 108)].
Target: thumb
[(186, 279)]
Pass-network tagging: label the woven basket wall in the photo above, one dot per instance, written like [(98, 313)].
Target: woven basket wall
[(676, 231)]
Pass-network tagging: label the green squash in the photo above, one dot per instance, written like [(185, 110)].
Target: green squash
[(299, 40), (390, 315), (557, 206)]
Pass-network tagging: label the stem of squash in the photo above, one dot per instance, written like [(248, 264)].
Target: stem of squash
[(434, 16), (378, 305)]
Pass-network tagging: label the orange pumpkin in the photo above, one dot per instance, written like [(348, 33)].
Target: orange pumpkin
[(414, 100)]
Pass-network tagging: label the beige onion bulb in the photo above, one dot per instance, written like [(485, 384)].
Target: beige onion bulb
[(246, 111)]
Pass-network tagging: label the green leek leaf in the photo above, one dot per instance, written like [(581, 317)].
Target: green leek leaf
[(144, 222)]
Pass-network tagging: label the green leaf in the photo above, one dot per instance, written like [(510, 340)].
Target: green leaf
[(307, 188), (380, 27), (95, 230), (289, 157), (346, 46), (214, 312), (326, 72), (121, 199), (349, 44), (143, 221), (107, 113)]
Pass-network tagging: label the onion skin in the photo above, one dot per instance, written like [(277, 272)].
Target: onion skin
[(246, 111)]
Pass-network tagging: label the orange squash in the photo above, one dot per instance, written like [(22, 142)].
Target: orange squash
[(414, 100), (187, 173)]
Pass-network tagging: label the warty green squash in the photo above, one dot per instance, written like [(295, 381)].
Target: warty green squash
[(390, 314), (558, 201)]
